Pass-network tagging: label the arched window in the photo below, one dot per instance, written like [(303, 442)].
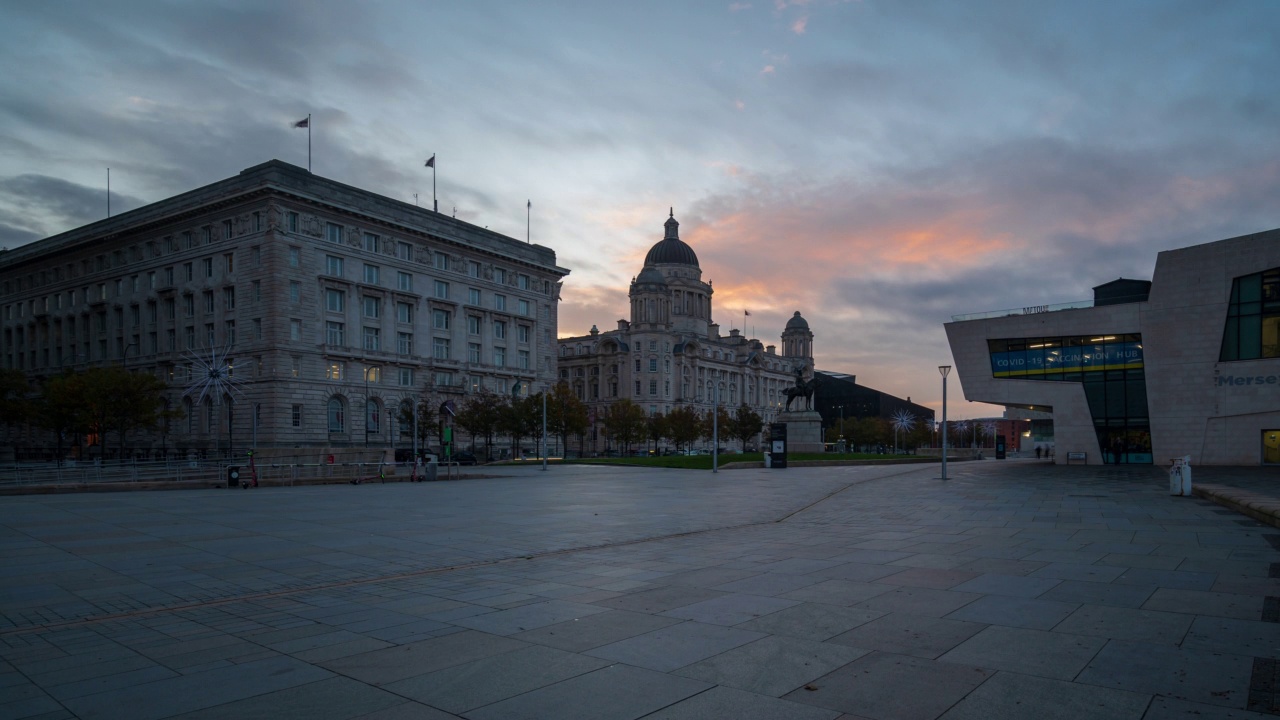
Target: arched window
[(373, 409), (406, 418), (337, 415)]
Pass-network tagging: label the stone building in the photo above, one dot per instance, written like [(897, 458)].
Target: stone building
[(1186, 364), (338, 307), (671, 353)]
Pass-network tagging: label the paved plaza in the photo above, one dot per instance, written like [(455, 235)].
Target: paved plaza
[(1014, 590)]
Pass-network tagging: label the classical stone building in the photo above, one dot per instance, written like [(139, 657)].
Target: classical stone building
[(338, 306), (670, 352), (1185, 364)]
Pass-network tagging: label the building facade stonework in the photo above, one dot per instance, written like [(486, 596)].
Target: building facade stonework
[(338, 306), (670, 351)]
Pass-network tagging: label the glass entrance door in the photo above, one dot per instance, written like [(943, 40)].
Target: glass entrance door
[(1271, 447)]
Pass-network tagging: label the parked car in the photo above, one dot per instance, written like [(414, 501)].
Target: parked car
[(464, 458)]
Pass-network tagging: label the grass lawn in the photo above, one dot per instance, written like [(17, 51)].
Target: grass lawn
[(703, 462)]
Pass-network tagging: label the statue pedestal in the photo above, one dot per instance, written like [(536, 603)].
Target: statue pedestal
[(804, 431)]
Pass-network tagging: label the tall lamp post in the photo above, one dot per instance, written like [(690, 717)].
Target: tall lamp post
[(544, 430), (367, 416), (944, 370)]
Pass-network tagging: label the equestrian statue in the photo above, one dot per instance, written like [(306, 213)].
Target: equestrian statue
[(803, 389)]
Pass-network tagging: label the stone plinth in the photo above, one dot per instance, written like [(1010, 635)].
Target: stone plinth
[(804, 431)]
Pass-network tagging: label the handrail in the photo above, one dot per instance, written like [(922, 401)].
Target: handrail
[(1029, 310)]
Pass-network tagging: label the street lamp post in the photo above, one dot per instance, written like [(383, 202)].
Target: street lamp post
[(544, 430), (944, 370), (367, 370)]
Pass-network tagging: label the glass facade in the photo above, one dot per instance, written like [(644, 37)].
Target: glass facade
[(1253, 318), (1111, 369)]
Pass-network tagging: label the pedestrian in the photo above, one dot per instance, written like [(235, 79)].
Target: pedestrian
[(1038, 451)]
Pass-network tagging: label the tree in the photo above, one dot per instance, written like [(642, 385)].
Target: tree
[(521, 418), (427, 406), (118, 400), (624, 421), (656, 429), (14, 403), (745, 425), (684, 425), (480, 415), (566, 414), (60, 408), (722, 427)]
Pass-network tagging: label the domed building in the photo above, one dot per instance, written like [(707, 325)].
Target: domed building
[(670, 351)]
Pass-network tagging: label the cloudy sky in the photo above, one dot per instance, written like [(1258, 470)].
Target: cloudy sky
[(879, 166)]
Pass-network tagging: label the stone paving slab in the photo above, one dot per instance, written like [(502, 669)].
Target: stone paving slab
[(1076, 592)]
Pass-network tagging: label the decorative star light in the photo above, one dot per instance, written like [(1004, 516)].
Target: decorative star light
[(211, 376), (904, 421)]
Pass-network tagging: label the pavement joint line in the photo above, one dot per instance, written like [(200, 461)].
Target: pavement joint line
[(250, 597)]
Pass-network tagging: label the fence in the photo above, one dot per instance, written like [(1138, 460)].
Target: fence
[(206, 471)]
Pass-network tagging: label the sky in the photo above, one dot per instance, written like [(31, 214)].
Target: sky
[(878, 166)]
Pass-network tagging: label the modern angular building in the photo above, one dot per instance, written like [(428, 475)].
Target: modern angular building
[(1187, 364), (338, 307), (670, 352)]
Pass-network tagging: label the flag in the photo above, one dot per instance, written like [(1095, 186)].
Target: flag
[(529, 205), (746, 312), (304, 122), (431, 162)]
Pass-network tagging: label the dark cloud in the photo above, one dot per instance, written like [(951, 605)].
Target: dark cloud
[(36, 202)]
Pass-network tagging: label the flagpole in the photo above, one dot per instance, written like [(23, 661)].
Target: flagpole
[(528, 213), (108, 192), (308, 142), (435, 204)]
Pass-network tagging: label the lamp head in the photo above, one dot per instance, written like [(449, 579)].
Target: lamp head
[(944, 370)]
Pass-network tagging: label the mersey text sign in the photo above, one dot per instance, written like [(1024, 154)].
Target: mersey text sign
[(1248, 380)]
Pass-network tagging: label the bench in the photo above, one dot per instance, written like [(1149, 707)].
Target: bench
[(1082, 457)]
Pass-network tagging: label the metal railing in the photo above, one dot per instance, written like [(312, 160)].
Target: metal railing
[(83, 473), (1029, 310)]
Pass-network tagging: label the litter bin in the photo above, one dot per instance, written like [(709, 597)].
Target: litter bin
[(1180, 476), (433, 468), (768, 459), (233, 476)]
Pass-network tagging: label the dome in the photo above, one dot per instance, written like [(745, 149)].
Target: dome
[(671, 250), (797, 323), (651, 275)]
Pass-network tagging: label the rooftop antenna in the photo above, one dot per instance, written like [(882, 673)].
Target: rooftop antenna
[(415, 199), (108, 192)]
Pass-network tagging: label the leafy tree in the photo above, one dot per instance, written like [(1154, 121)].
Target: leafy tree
[(625, 422), (684, 425), (427, 406), (656, 427), (521, 418), (60, 408), (14, 403), (118, 400), (745, 425), (723, 425), (480, 415), (566, 414)]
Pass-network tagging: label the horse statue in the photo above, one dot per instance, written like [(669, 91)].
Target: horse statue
[(803, 389)]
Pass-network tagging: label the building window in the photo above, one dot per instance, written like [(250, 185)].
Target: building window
[(500, 357), (226, 229), (473, 269), (404, 312), (499, 302), (295, 291), (404, 281), (522, 333), (333, 232), (230, 332), (473, 352), (229, 261), (522, 282), (1253, 318), (292, 221), (404, 343), (208, 267), (637, 387), (522, 307), (442, 261), (207, 234), (208, 302), (333, 266), (523, 357), (333, 371), (335, 333), (257, 328), (404, 251), (444, 379), (295, 329), (295, 366), (653, 364), (335, 300), (229, 298), (440, 319), (405, 377), (442, 290), (371, 274), (337, 416), (371, 306), (372, 338), (473, 325), (297, 416), (473, 296), (499, 330), (295, 259), (371, 242), (500, 276), (440, 348)]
